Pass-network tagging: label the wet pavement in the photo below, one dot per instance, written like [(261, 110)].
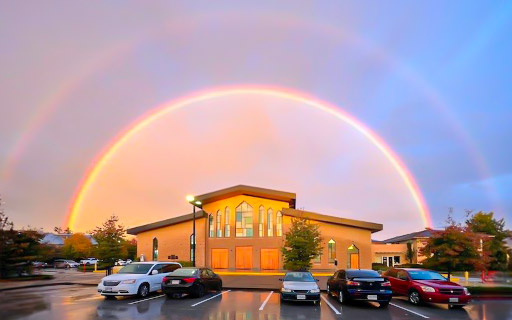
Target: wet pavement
[(78, 302)]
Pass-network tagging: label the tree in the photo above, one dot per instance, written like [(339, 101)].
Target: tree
[(453, 249), (59, 230), (129, 249), (77, 246), (409, 254), (302, 244), (109, 237), (495, 246)]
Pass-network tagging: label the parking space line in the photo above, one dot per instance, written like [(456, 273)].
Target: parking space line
[(408, 310), (330, 305), (195, 304), (134, 302), (266, 300)]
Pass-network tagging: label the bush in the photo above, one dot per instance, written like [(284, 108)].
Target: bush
[(379, 267), (411, 265), (185, 263)]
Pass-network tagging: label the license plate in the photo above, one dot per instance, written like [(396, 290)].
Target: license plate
[(301, 297), (175, 282), (108, 289), (453, 300), (372, 297)]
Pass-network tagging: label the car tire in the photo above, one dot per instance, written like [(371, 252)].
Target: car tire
[(383, 305), (170, 295), (341, 297), (219, 286), (199, 291), (414, 297), (143, 290)]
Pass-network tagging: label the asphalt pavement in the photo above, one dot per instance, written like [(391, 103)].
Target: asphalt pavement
[(80, 302)]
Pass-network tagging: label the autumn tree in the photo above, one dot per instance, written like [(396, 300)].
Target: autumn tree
[(302, 244), (409, 254), (109, 237), (77, 246)]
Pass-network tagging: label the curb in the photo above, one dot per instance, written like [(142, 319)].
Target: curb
[(49, 285)]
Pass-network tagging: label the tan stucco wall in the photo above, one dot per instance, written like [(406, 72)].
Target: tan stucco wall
[(380, 250), (173, 240)]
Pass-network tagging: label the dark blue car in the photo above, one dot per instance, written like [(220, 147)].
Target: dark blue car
[(359, 284)]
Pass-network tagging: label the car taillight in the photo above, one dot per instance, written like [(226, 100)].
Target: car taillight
[(165, 279), (189, 280), (386, 284), (353, 283)]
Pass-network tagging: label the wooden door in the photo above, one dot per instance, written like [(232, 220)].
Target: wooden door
[(243, 258), (354, 260), (269, 259), (219, 258)]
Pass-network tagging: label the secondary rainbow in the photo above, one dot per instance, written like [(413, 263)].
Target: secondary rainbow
[(163, 110)]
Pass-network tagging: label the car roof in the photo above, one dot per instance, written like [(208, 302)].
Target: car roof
[(154, 262)]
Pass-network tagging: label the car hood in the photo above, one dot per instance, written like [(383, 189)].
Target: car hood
[(438, 284), (123, 276), (297, 285)]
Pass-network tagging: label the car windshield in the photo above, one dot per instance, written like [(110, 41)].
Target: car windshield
[(362, 274), (299, 276), (425, 275), (137, 268), (70, 261), (184, 272)]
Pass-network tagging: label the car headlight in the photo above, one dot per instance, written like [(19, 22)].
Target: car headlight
[(131, 281), (466, 291), (314, 290), (427, 289), (285, 290)]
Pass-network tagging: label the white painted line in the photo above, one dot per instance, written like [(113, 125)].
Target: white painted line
[(195, 304), (266, 300), (330, 305), (408, 310), (134, 302)]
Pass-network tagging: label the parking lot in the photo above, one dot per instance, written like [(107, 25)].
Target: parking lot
[(83, 302)]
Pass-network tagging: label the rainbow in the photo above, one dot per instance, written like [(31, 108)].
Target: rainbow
[(287, 94)]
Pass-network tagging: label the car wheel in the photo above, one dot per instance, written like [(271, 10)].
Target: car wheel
[(383, 304), (414, 297), (341, 297), (219, 286), (143, 290), (199, 292)]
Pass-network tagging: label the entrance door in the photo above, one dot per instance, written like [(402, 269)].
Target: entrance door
[(269, 259), (354, 261), (243, 258), (219, 258)]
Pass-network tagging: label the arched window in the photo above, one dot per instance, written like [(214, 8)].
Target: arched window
[(353, 257), (331, 250), (227, 227), (211, 226), (261, 221), (155, 249), (243, 221), (270, 222), (219, 222), (279, 224)]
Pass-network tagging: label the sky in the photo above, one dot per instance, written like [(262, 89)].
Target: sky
[(432, 80)]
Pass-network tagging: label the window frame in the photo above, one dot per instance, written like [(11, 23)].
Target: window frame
[(270, 222), (218, 224), (244, 228)]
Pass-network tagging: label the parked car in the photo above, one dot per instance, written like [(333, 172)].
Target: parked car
[(300, 286), (65, 264), (89, 261), (138, 278), (122, 262), (39, 264), (422, 285), (362, 284), (193, 281)]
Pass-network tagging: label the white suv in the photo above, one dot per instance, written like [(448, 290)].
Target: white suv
[(89, 261), (137, 278)]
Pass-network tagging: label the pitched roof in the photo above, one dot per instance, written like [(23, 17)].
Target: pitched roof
[(166, 222), (427, 233), (373, 227), (58, 239), (248, 191)]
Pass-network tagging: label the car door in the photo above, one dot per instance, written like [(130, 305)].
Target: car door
[(401, 282), (156, 279), (331, 281)]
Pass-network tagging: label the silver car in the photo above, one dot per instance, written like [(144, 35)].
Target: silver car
[(300, 286)]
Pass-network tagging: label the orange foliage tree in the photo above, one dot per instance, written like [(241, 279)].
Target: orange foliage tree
[(77, 246)]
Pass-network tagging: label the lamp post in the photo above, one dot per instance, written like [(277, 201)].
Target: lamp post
[(195, 203)]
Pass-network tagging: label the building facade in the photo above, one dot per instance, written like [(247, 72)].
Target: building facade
[(243, 228)]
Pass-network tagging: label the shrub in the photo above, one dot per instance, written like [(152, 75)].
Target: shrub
[(379, 267)]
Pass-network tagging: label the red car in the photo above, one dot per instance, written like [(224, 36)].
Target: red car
[(422, 285)]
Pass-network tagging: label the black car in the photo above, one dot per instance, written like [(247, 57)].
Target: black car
[(359, 284), (193, 281)]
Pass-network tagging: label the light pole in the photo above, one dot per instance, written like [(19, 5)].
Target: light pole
[(195, 203)]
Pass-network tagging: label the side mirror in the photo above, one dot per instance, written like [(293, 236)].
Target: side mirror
[(154, 272), (280, 279)]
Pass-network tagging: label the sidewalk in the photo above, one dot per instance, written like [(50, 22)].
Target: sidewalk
[(61, 277)]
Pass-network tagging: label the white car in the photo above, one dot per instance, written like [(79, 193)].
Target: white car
[(89, 261), (138, 278), (121, 262)]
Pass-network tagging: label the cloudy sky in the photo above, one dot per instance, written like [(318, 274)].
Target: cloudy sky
[(433, 80)]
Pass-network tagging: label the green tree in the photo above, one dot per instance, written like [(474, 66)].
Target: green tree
[(409, 254), (109, 237), (495, 246), (453, 249), (302, 244), (129, 249)]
